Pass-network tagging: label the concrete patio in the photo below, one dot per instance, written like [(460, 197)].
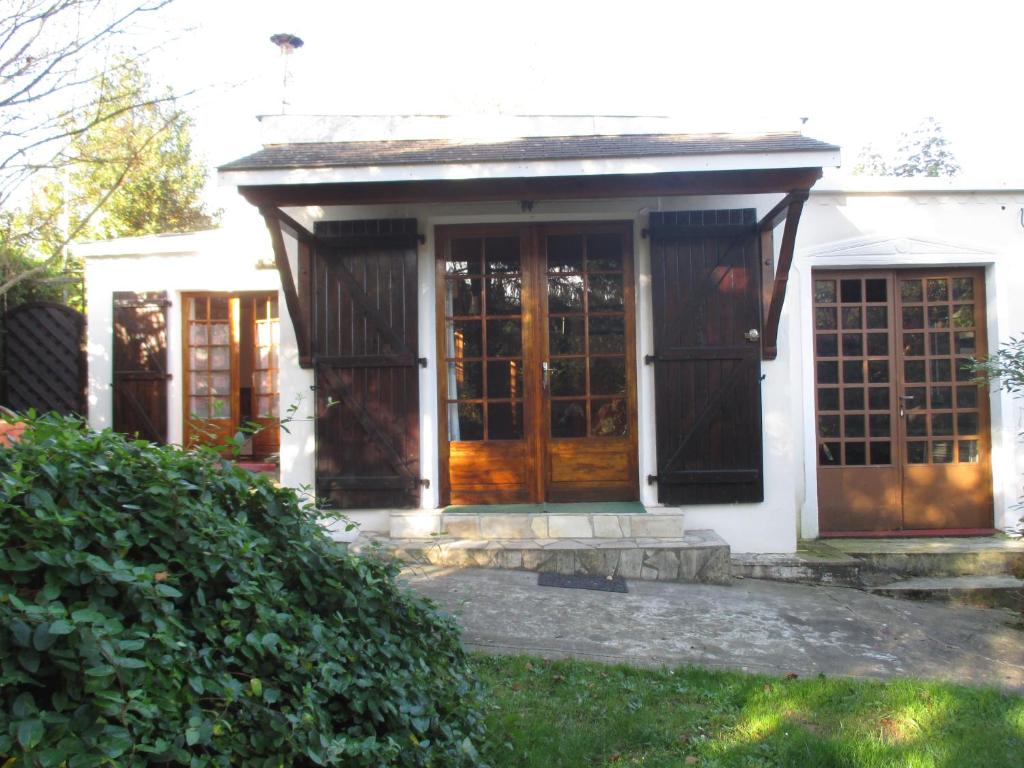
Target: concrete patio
[(753, 625)]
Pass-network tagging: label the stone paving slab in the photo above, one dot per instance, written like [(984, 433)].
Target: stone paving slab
[(928, 545), (756, 626)]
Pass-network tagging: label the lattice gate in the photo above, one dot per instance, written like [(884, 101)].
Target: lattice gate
[(44, 358)]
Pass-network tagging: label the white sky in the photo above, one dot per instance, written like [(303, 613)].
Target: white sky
[(860, 71)]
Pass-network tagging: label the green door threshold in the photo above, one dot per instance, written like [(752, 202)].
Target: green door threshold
[(574, 508)]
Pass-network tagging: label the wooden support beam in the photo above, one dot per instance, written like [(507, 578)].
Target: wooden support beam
[(770, 336), (272, 217), (300, 233), (778, 214)]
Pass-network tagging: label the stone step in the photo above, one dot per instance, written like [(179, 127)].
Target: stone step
[(510, 525), (981, 591), (885, 560), (698, 556), (799, 569)]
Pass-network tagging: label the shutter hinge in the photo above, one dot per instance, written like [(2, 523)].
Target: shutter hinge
[(422, 361), (652, 479), (644, 233), (425, 482), (650, 359)]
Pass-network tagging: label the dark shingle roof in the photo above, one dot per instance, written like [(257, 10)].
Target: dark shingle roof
[(431, 151)]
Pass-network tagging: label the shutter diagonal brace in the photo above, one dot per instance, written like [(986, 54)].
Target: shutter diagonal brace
[(788, 210)]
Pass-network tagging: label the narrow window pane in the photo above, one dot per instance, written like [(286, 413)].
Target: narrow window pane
[(963, 288), (875, 290), (913, 317), (917, 453), (910, 290), (503, 296), (878, 344), (505, 379), (825, 291), (199, 407), (565, 335), (965, 343), (963, 315), (967, 397), (942, 424), (853, 345), (567, 377), (462, 296), (853, 425), (942, 397), (881, 452), (607, 334), (853, 399), (504, 338), (965, 370), (565, 253), (464, 258), (825, 318), (827, 345), (917, 425), (828, 399), (853, 372), (608, 418), (855, 454), (828, 373), (914, 370), (938, 290), (967, 423), (880, 426), (878, 398), (504, 421), (849, 291), (828, 426), (197, 333), (829, 454), (219, 308), (605, 292), (220, 358), (938, 317), (220, 333), (604, 252), (878, 317), (200, 359), (568, 418), (608, 376), (464, 339), (968, 451), (913, 344), (917, 397), (565, 293), (942, 451), (878, 371), (852, 317), (502, 255), (938, 343), (467, 380), (465, 421), (942, 370)]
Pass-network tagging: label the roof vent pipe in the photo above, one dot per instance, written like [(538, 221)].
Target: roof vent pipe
[(288, 44)]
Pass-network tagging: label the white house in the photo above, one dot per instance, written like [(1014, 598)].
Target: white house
[(555, 311)]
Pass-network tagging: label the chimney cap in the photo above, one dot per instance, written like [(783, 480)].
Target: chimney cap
[(286, 41)]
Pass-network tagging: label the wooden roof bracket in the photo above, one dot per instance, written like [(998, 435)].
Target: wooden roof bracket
[(788, 210), (277, 221)]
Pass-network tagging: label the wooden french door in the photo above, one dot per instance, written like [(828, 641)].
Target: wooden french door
[(231, 365), (537, 386), (902, 429)]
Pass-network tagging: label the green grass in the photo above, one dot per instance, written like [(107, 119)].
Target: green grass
[(568, 713)]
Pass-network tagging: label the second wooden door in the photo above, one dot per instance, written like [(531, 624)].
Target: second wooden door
[(537, 386)]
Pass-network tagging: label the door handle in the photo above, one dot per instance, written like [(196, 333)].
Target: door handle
[(545, 375), (752, 335)]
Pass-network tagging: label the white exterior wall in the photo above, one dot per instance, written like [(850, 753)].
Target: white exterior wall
[(985, 225)]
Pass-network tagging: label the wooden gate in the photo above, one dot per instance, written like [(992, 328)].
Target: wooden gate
[(365, 363), (44, 358), (140, 364), (705, 271)]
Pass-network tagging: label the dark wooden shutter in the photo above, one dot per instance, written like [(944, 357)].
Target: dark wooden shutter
[(705, 275), (366, 363), (140, 364)]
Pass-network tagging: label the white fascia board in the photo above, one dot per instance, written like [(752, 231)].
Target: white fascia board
[(737, 161), (840, 184), (147, 245)]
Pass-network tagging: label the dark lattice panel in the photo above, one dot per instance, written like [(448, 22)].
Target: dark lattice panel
[(44, 359)]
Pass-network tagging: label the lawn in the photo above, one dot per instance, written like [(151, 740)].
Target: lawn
[(571, 713)]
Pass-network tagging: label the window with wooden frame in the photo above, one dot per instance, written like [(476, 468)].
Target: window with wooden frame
[(231, 369)]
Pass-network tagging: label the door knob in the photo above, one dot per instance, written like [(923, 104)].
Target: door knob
[(752, 335)]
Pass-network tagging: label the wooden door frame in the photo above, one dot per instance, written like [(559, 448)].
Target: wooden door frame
[(534, 310), (234, 335), (893, 273)]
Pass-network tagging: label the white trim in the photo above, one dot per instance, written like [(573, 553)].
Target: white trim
[(839, 183), (882, 252), (725, 161)]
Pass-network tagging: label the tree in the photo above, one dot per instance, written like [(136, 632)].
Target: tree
[(922, 152), (48, 52)]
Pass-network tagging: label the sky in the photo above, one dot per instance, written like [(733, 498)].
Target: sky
[(859, 72)]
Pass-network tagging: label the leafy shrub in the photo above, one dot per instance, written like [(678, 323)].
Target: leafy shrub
[(164, 606)]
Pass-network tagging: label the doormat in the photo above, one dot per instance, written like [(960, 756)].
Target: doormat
[(598, 583)]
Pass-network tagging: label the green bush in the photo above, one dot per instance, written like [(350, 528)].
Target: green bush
[(164, 606)]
